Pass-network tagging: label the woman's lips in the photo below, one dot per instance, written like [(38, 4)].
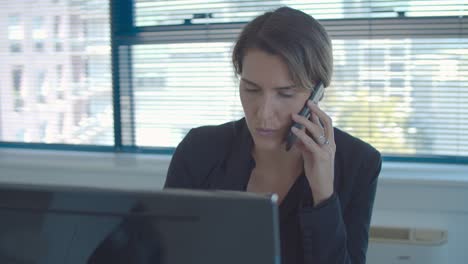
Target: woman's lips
[(266, 132)]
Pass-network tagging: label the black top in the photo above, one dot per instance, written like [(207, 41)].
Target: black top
[(219, 157)]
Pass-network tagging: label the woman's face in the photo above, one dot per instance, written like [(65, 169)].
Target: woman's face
[(269, 98)]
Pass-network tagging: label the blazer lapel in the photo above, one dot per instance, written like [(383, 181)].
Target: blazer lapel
[(239, 162)]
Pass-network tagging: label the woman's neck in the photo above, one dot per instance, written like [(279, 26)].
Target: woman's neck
[(277, 158)]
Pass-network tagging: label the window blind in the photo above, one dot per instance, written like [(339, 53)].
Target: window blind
[(157, 13), (55, 74), (399, 79)]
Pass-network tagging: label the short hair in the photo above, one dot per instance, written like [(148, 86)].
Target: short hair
[(300, 40)]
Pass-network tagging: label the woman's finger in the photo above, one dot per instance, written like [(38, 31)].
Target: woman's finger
[(324, 119), (308, 142), (316, 131)]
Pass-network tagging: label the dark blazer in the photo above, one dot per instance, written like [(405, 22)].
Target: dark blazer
[(219, 157)]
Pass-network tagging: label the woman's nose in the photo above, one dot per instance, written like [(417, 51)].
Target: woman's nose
[(266, 109)]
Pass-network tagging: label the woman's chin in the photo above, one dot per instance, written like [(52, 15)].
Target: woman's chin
[(268, 144)]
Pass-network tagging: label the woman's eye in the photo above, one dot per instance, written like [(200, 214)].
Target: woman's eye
[(286, 95), (250, 90)]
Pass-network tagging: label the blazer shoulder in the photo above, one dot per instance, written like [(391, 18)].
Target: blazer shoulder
[(201, 151), (211, 140), (354, 154)]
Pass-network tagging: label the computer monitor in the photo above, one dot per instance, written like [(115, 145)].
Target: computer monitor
[(57, 226)]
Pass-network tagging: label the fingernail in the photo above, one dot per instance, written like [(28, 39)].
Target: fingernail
[(295, 129)]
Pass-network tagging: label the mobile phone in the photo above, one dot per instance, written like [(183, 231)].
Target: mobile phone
[(315, 96)]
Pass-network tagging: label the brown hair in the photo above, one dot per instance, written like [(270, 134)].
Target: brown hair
[(299, 39)]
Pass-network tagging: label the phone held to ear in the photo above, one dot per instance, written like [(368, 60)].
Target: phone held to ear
[(315, 96)]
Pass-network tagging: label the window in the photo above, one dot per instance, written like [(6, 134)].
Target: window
[(58, 46), (41, 89), (77, 26), (78, 69), (20, 135), (45, 86), (192, 85), (60, 93), (61, 124), (43, 131), (398, 77), (56, 26), (400, 72), (15, 33), (17, 81), (38, 34)]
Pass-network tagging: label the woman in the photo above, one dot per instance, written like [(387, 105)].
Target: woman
[(326, 183)]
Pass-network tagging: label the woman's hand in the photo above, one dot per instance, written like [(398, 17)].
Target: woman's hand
[(317, 145)]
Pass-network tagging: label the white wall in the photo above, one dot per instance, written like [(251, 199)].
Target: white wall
[(409, 194), (427, 203)]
